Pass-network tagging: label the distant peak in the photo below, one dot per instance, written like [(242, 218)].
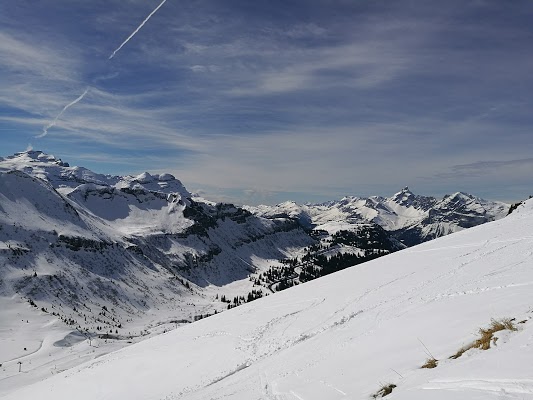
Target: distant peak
[(30, 153), (37, 156), (404, 192), (404, 197), (166, 177), (145, 177), (460, 196), (288, 203)]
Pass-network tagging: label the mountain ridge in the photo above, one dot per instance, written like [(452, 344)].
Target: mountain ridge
[(410, 218)]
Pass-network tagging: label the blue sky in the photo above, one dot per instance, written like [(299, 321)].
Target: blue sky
[(265, 101)]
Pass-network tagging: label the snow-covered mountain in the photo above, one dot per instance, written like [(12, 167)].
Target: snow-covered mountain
[(105, 252), (460, 305), (90, 263), (74, 241), (410, 218)]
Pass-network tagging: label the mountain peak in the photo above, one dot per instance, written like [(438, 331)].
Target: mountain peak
[(145, 177), (33, 154), (405, 190), (403, 195), (462, 195), (61, 175), (31, 158)]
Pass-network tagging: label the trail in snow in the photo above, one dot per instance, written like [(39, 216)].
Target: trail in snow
[(25, 355), (503, 386)]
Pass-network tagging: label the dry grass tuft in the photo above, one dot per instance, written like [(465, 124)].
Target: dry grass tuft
[(487, 336), (460, 352), (430, 363), (385, 390)]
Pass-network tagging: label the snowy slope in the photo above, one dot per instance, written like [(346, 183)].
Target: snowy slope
[(32, 204), (346, 335), (410, 218)]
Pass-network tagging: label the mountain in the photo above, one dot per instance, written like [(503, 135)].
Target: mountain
[(103, 253), (91, 263), (461, 304), (410, 218)]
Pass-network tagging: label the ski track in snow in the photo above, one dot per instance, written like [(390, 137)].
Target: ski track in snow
[(237, 370), (484, 289), (296, 395), (504, 386), (26, 355), (476, 245)]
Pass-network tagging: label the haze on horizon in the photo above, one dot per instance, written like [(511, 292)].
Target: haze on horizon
[(261, 102)]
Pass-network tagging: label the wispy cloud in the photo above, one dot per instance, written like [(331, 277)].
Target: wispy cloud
[(488, 168), (24, 56), (34, 76)]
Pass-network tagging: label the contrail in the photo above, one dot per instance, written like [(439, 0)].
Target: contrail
[(51, 124), (137, 30)]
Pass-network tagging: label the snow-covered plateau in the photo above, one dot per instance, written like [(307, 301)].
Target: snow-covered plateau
[(97, 272)]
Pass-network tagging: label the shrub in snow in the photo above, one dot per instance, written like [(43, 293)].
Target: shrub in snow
[(487, 336), (430, 363), (385, 390)]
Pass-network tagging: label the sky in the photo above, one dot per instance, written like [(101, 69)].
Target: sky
[(265, 101)]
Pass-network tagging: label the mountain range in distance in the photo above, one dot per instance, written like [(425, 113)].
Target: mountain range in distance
[(56, 217), (410, 218)]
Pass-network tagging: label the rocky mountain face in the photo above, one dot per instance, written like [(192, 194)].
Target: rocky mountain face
[(409, 218)]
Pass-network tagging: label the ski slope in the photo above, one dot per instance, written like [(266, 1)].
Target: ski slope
[(346, 335)]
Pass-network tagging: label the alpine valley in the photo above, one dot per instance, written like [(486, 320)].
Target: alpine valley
[(90, 263)]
